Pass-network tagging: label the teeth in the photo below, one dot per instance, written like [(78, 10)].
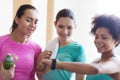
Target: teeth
[(99, 45)]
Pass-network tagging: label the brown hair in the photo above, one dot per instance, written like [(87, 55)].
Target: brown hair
[(20, 13)]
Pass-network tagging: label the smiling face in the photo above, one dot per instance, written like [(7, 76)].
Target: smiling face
[(104, 41), (64, 27), (27, 23)]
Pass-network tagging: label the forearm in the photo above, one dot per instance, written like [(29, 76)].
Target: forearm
[(77, 67)]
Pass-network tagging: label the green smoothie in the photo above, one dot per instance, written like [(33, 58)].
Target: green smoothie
[(8, 62)]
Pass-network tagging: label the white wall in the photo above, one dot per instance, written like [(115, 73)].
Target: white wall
[(39, 35), (6, 13)]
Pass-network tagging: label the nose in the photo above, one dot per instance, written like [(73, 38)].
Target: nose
[(33, 25), (65, 31), (98, 40)]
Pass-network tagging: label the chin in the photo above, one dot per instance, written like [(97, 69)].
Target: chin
[(100, 51), (29, 34), (63, 39)]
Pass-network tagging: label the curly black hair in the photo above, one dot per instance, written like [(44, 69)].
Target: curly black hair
[(111, 22)]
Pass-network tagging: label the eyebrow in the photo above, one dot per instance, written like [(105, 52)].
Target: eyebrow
[(31, 18)]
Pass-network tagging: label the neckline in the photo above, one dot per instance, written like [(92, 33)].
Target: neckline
[(14, 42)]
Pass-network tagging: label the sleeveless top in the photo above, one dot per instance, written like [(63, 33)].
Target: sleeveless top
[(98, 77)]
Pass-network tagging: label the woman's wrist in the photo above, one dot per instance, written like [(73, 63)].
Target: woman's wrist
[(53, 65), (56, 64), (59, 65)]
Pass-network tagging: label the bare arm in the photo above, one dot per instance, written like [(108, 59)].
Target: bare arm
[(108, 67), (76, 67), (81, 68)]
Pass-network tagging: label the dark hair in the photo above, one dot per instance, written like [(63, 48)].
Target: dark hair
[(111, 22), (20, 13), (65, 13)]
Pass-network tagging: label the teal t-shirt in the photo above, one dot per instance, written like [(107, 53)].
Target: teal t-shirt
[(72, 52), (99, 77)]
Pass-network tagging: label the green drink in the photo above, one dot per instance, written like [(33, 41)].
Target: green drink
[(8, 62)]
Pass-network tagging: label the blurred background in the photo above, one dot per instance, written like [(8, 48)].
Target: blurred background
[(84, 10)]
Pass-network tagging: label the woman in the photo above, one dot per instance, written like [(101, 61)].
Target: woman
[(68, 49), (19, 44), (106, 29)]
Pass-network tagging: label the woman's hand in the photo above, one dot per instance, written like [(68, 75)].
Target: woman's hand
[(48, 62), (46, 54), (40, 66), (6, 74)]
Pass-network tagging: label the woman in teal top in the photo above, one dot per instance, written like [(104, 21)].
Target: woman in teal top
[(72, 52), (106, 29), (69, 50)]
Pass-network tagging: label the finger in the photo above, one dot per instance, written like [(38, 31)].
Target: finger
[(15, 58), (12, 71), (1, 66), (47, 61), (47, 69), (47, 54), (40, 67), (12, 68)]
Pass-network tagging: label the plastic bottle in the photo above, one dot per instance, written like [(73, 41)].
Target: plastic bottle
[(8, 62)]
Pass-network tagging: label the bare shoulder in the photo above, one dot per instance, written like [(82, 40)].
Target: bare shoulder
[(116, 60), (96, 60)]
